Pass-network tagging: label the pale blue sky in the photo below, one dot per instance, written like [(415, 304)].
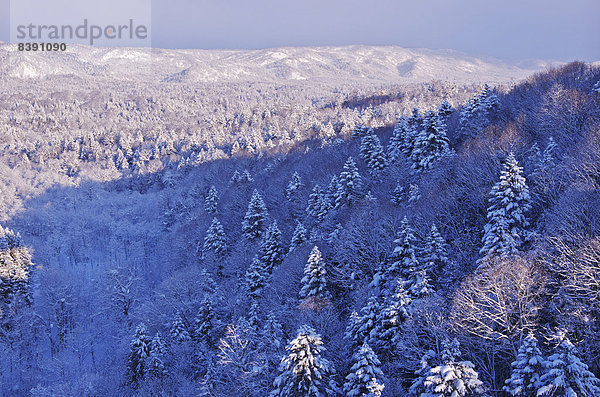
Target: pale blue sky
[(562, 30)]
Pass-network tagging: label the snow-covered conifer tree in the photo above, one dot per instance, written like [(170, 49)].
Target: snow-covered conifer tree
[(535, 158), (414, 193), (350, 187), (178, 332), (550, 153), (567, 375), (332, 191), (253, 222), (204, 323), (396, 145), (488, 101), (415, 119), (235, 178), (271, 249), (361, 326), (509, 202), (418, 281), (139, 351), (435, 254), (314, 283), (215, 240), (387, 331), (431, 143), (452, 378), (359, 130), (15, 266), (365, 377), (351, 333), (211, 201), (418, 385), (398, 195), (256, 279), (299, 237), (318, 203), (293, 186), (245, 177), (157, 353), (445, 109), (272, 332), (303, 370), (371, 151), (400, 261), (526, 369)]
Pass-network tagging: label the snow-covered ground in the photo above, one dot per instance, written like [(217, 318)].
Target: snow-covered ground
[(330, 65)]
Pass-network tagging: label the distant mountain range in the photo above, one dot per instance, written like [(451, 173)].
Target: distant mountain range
[(329, 65)]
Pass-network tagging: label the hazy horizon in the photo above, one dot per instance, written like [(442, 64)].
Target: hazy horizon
[(510, 31)]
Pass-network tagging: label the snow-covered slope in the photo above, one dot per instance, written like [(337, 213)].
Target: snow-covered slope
[(351, 64)]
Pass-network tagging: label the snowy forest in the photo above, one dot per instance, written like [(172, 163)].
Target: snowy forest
[(428, 240)]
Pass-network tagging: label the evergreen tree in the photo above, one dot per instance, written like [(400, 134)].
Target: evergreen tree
[(474, 114), (467, 117), (212, 198), (15, 278), (253, 222), (398, 195), (349, 190), (254, 321), (409, 140), (299, 237), (452, 378), (567, 375), (245, 177), (235, 178), (271, 249), (272, 333), (359, 131), (435, 254), (414, 193), (293, 186), (318, 204), (418, 385), (445, 109), (431, 143), (401, 259), (371, 151), (139, 351), (535, 159), (526, 369), (314, 283), (510, 200), (361, 326), (157, 353), (332, 191), (365, 375), (396, 145), (549, 153), (178, 332), (488, 101), (418, 282), (215, 240), (596, 88), (387, 332), (256, 279), (415, 119), (303, 370), (204, 323)]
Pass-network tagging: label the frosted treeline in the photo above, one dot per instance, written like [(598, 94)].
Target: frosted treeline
[(447, 247)]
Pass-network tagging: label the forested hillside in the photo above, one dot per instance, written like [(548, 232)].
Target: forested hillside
[(424, 240)]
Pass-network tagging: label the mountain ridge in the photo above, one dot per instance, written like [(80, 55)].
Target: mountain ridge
[(354, 64)]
